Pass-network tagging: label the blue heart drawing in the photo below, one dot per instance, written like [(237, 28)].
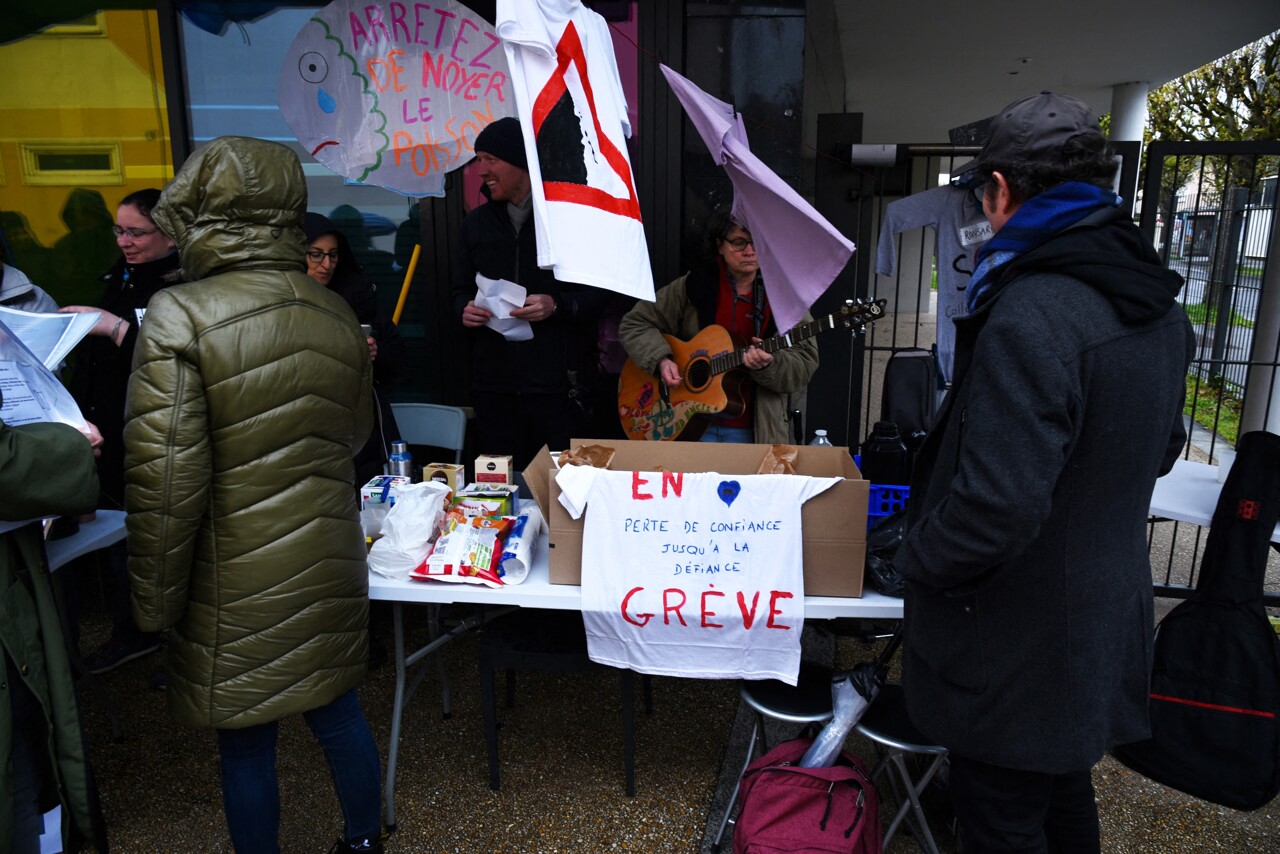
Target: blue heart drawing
[(728, 491)]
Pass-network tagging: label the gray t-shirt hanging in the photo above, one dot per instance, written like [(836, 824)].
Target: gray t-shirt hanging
[(962, 229)]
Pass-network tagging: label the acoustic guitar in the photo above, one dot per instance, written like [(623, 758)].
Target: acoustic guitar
[(710, 383)]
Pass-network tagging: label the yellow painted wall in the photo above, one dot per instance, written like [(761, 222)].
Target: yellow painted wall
[(95, 88)]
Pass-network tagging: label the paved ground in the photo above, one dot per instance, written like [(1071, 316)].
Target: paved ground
[(561, 764)]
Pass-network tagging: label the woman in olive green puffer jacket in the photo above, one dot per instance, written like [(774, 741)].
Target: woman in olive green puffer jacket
[(249, 395)]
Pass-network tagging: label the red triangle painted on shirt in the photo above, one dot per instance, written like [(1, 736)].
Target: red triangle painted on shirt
[(569, 50)]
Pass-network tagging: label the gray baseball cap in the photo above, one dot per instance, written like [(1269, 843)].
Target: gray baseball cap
[(1031, 129)]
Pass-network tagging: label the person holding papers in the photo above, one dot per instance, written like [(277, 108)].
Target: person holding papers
[(103, 361), (45, 470), (533, 392), (19, 292), (725, 289)]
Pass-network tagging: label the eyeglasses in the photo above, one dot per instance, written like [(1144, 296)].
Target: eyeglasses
[(315, 256), (134, 233), (740, 243)]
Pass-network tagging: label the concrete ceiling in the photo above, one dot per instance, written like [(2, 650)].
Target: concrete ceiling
[(917, 69)]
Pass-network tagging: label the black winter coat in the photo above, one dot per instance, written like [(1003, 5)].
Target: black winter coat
[(349, 282), (1029, 601), (563, 343), (102, 369)]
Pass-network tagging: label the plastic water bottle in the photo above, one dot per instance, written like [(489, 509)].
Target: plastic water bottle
[(820, 438), (885, 457), (401, 460)]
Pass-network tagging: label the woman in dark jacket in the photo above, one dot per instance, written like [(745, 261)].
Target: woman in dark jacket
[(149, 263), (331, 262)]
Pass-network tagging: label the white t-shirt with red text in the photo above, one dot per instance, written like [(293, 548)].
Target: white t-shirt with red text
[(692, 574)]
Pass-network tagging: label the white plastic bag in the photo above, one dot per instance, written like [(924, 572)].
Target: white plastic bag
[(408, 529)]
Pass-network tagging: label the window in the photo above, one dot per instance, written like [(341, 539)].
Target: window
[(69, 164), (89, 25)]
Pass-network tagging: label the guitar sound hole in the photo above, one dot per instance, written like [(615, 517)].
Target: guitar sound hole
[(697, 375)]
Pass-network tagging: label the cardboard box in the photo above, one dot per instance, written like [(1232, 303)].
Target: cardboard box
[(835, 522), (487, 499), (494, 468), (372, 492), (454, 474)]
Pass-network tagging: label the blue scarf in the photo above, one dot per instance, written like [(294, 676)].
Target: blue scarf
[(1039, 218)]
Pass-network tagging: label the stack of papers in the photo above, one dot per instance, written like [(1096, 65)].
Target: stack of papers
[(32, 345)]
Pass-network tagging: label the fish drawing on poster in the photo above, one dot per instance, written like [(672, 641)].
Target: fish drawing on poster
[(393, 94)]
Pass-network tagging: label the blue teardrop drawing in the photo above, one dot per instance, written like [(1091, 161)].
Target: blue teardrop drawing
[(728, 491), (325, 100)]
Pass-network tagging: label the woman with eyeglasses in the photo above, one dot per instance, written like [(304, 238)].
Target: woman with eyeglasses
[(103, 361), (331, 262), (725, 289)]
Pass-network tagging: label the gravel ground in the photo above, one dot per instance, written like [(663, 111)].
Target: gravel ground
[(561, 752), (561, 765)]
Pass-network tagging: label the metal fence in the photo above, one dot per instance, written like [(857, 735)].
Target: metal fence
[(1210, 210)]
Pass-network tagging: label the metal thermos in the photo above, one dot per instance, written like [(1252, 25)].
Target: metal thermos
[(401, 460)]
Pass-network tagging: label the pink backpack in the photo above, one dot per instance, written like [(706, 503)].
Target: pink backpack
[(788, 808)]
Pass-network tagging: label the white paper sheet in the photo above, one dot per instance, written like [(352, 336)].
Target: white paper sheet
[(500, 297), (49, 336), (29, 391)]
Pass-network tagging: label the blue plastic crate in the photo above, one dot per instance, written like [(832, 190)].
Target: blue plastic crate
[(885, 498)]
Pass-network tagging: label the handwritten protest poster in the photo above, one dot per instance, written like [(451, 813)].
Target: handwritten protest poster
[(692, 574), (394, 93)]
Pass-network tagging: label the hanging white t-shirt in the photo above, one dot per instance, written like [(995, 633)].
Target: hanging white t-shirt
[(692, 574), (574, 115)]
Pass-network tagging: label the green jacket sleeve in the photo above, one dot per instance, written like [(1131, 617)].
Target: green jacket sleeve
[(791, 369), (168, 467), (642, 328), (45, 470)]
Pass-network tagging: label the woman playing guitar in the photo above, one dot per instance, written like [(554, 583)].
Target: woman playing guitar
[(673, 390)]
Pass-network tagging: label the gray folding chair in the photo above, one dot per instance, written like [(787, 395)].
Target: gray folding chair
[(444, 427), (433, 425)]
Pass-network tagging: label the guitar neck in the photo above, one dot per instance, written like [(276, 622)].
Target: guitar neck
[(726, 362)]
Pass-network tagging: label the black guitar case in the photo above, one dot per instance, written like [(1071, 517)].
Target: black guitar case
[(1215, 684)]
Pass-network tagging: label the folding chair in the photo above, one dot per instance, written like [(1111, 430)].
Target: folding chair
[(433, 425)]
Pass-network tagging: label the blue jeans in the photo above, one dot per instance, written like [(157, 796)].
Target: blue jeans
[(251, 793), (719, 433), (28, 728)]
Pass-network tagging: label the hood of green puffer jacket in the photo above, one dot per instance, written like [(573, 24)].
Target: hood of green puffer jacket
[(1109, 253), (237, 203)]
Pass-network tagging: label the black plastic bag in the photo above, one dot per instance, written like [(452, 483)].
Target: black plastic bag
[(882, 544)]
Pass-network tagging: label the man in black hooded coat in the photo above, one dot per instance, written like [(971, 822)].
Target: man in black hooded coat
[(1029, 601)]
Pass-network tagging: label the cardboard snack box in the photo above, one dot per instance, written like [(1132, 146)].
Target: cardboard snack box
[(373, 491), (487, 499), (493, 468), (454, 474), (835, 522)]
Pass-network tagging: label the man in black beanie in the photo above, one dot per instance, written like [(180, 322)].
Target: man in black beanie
[(531, 393)]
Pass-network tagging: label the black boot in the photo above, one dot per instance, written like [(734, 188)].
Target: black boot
[(363, 845)]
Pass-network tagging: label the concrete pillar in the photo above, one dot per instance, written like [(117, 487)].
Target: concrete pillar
[(1129, 111), (1262, 385)]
